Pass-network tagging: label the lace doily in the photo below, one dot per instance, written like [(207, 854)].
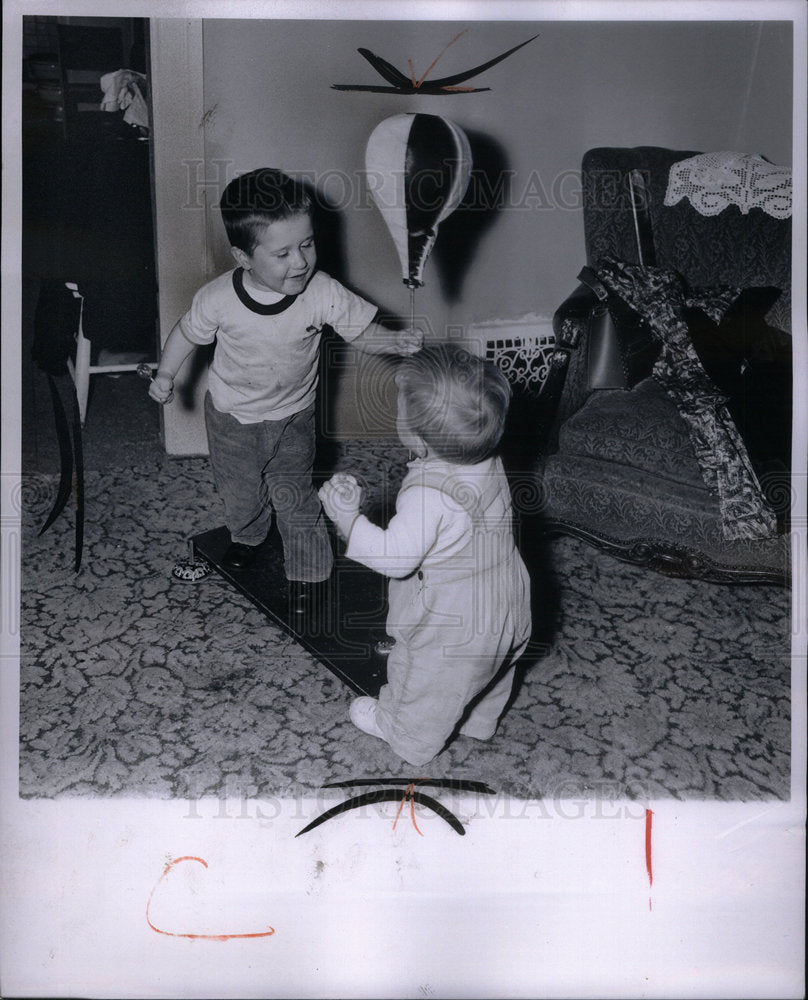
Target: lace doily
[(712, 181)]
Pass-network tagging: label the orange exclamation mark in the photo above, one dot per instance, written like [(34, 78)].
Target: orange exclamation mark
[(648, 820)]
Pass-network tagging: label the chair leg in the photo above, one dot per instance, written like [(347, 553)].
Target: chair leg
[(81, 370), (82, 375)]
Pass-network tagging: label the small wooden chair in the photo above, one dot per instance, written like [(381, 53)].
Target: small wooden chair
[(110, 362)]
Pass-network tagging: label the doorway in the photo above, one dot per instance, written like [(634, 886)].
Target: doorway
[(87, 211)]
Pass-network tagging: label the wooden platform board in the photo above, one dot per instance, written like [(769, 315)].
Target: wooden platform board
[(342, 626)]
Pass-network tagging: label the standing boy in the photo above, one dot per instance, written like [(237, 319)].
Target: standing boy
[(266, 317)]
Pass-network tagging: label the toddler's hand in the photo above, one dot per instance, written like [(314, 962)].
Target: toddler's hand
[(161, 388), (341, 497), (409, 341)]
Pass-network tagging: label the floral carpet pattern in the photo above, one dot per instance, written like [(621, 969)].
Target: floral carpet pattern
[(136, 684)]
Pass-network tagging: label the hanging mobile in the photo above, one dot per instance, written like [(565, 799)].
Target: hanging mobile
[(421, 167)]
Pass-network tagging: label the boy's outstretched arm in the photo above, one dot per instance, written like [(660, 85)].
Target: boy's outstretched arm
[(379, 339), (176, 349)]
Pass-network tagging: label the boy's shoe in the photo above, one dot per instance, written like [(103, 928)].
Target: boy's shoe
[(239, 556), (362, 714)]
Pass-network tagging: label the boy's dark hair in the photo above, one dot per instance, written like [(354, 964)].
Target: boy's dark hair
[(455, 401), (254, 200)]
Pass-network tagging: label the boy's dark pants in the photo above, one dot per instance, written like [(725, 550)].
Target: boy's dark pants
[(268, 465)]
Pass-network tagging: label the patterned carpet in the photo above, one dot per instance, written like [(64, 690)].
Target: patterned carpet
[(134, 684)]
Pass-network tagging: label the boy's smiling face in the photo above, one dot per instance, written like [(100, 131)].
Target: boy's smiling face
[(284, 258)]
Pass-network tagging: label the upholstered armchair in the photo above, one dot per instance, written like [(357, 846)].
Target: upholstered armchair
[(621, 470)]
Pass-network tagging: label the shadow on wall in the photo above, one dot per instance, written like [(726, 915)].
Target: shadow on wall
[(460, 233), (330, 233), (198, 365)]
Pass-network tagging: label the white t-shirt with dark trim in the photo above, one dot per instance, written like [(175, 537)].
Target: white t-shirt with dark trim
[(265, 364)]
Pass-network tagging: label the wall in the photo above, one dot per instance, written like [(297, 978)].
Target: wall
[(268, 101)]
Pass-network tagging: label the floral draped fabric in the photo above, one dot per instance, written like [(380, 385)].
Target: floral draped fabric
[(660, 297)]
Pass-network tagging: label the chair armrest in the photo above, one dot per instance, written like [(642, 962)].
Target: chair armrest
[(571, 322), (571, 319)]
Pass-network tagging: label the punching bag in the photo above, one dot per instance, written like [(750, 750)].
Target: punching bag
[(418, 169)]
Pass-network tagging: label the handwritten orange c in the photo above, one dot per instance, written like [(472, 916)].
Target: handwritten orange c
[(195, 937)]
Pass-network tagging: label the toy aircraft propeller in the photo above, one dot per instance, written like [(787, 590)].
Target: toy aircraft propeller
[(402, 84)]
